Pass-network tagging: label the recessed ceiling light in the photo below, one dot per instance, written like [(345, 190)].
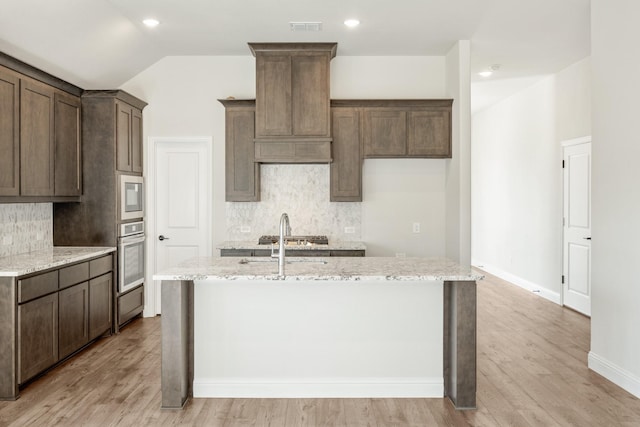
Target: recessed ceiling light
[(150, 22), (351, 23), (489, 72)]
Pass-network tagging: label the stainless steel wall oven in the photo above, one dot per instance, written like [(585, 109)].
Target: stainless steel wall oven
[(131, 256)]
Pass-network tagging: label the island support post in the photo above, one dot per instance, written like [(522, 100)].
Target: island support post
[(177, 343), (459, 312)]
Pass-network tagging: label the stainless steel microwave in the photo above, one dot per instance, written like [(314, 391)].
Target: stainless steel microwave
[(131, 197)]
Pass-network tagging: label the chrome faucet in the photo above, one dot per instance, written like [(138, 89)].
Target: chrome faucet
[(285, 230)]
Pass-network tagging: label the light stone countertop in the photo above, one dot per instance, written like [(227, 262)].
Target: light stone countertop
[(332, 246), (320, 268), (57, 256)]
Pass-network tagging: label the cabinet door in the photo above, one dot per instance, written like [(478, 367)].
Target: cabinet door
[(68, 154), (242, 174), (38, 336), (385, 132), (9, 133), (123, 137), (310, 95), (273, 95), (37, 151), (100, 310), (346, 168), (136, 140), (73, 318), (429, 134)]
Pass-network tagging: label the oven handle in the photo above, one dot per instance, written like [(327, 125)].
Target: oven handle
[(130, 240)]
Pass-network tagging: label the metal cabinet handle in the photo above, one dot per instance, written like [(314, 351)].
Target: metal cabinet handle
[(161, 238), (587, 238)]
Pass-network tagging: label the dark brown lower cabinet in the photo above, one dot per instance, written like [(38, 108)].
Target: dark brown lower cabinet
[(100, 310), (48, 316), (73, 318), (37, 336)]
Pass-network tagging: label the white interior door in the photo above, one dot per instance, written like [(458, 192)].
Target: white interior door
[(182, 203), (577, 227)]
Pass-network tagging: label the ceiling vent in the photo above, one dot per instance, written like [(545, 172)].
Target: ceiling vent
[(305, 26)]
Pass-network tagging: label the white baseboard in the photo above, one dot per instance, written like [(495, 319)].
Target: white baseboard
[(519, 281), (615, 374), (318, 387)]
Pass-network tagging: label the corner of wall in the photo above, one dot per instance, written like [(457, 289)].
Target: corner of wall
[(458, 174)]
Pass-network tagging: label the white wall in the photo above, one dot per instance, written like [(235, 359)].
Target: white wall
[(615, 317), (517, 178), (182, 93)]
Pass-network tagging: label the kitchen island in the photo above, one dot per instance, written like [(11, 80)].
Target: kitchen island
[(332, 327)]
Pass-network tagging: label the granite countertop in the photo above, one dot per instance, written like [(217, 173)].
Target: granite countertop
[(320, 268), (57, 256), (332, 246)]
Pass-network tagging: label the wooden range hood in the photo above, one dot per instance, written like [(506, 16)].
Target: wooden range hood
[(293, 117)]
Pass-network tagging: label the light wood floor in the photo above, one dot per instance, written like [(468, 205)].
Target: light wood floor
[(532, 371)]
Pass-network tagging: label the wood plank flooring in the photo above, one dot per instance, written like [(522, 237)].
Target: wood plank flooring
[(532, 371)]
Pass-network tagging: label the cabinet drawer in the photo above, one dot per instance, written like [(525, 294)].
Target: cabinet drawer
[(36, 286), (130, 305), (74, 274), (100, 266)]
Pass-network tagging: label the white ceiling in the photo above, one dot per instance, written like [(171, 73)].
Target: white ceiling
[(99, 44)]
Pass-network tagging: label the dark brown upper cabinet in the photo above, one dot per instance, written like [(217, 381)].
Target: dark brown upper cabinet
[(37, 149), (68, 154), (242, 173), (404, 128), (346, 168), (293, 120), (39, 135), (128, 138), (9, 133)]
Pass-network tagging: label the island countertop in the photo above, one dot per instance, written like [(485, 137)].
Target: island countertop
[(320, 268), (57, 256)]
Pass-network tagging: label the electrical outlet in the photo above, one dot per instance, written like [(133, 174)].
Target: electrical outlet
[(350, 230), (245, 229), (39, 236), (400, 255), (416, 227), (7, 239)]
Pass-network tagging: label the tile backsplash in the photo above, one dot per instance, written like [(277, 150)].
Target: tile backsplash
[(302, 191), (25, 227)]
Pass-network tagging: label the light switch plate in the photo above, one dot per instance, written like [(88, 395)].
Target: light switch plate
[(350, 230), (245, 229)]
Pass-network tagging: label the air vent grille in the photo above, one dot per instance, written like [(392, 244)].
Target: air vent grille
[(305, 26)]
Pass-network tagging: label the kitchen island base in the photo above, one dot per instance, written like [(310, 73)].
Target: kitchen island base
[(452, 326)]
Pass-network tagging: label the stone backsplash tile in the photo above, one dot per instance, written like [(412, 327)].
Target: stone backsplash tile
[(25, 227), (302, 191)]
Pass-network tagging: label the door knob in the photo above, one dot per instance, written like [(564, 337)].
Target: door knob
[(161, 238)]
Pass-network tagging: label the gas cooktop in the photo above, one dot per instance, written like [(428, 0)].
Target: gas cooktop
[(313, 240)]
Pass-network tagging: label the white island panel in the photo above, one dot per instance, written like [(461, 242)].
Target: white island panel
[(318, 338)]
